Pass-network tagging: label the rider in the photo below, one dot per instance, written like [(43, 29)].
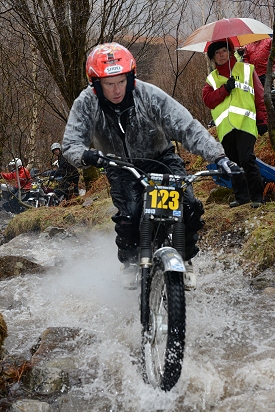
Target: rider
[(120, 114), (21, 177), (69, 173)]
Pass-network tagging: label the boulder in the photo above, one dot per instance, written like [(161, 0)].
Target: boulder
[(55, 361), (28, 405), (17, 265)]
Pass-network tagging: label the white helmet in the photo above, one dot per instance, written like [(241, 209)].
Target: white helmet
[(15, 162), (55, 146)]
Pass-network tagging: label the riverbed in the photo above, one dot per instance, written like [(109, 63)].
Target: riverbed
[(229, 360)]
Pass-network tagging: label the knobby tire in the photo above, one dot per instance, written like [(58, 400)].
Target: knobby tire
[(163, 355)]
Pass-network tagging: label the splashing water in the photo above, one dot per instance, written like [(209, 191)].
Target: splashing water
[(229, 360)]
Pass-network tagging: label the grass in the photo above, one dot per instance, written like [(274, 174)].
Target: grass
[(90, 210)]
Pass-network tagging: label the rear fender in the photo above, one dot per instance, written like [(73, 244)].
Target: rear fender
[(170, 258)]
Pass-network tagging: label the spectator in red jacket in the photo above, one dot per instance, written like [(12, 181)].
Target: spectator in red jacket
[(257, 53), (22, 176), (234, 94)]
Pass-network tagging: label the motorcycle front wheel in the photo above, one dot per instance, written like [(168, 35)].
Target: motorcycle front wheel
[(163, 339)]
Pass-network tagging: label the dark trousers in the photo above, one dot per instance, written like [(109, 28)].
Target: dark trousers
[(239, 147), (12, 202), (126, 192), (68, 188)]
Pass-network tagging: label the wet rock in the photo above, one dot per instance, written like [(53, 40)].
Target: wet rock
[(17, 265), (3, 333), (269, 291), (26, 405), (46, 381), (54, 361), (52, 231), (99, 403), (45, 250), (263, 281), (54, 339)]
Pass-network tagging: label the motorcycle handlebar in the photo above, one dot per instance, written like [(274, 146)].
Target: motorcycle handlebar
[(112, 160)]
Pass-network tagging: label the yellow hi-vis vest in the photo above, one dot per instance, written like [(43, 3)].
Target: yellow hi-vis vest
[(238, 110)]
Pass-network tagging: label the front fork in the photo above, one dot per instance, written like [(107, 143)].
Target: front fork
[(146, 256), (146, 229)]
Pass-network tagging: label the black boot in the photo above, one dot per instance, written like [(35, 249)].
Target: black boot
[(130, 272), (129, 256)]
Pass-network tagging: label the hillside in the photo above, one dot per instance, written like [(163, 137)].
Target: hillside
[(248, 233)]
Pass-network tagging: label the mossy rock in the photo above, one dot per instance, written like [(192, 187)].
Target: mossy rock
[(220, 195), (17, 265)]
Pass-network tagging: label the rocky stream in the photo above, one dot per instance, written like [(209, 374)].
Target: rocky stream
[(73, 341)]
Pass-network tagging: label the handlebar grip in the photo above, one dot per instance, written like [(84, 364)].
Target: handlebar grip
[(113, 161)]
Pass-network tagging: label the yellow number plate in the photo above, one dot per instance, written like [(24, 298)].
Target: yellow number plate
[(163, 201)]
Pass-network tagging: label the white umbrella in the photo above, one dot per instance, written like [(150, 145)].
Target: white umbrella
[(241, 31)]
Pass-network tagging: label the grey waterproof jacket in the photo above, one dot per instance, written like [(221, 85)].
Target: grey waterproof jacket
[(155, 120)]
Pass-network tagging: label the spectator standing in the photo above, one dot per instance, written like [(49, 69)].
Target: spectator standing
[(69, 173), (21, 180), (234, 94), (19, 174), (257, 53)]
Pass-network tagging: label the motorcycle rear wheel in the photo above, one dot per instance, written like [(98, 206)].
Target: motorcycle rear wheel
[(163, 341)]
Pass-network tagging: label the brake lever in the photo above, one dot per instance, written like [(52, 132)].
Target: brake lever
[(109, 159)]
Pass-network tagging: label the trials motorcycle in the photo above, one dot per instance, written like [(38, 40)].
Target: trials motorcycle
[(160, 271), (43, 195)]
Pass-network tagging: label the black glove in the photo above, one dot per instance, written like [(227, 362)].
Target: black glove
[(227, 166), (241, 51), (92, 158), (262, 129), (230, 84)]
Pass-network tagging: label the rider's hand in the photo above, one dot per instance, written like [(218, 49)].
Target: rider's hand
[(228, 166), (92, 158), (262, 129), (230, 84)]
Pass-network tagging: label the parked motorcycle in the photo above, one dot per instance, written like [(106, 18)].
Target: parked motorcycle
[(40, 194), (43, 195)]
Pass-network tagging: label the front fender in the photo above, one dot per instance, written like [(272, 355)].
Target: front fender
[(170, 258)]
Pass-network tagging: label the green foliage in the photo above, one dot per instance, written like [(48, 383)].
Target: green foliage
[(250, 232), (260, 239)]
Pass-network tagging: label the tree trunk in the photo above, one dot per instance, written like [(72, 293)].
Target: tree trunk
[(32, 136), (267, 94)]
